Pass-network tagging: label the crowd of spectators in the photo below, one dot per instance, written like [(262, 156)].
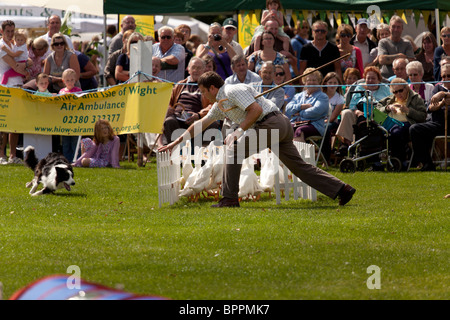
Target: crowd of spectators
[(381, 64)]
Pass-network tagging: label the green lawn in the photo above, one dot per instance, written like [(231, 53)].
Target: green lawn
[(110, 226)]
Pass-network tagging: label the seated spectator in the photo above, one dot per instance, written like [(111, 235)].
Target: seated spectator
[(221, 51), (332, 86), (241, 74), (372, 83), (267, 74), (351, 75), (267, 53), (210, 64), (414, 70), (441, 52), (123, 61), (406, 106), (422, 134), (110, 67), (426, 55), (308, 109), (280, 77), (186, 104), (102, 151), (399, 67), (344, 34)]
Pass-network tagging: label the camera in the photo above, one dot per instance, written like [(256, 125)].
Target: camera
[(217, 37)]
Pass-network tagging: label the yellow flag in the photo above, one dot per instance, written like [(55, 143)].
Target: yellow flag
[(145, 25)]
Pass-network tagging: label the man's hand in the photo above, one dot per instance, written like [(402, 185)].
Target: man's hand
[(234, 136)]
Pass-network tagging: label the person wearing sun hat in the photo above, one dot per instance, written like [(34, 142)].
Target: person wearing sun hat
[(229, 30)]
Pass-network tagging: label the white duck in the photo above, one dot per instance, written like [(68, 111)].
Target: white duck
[(187, 167), (188, 190), (203, 176), (249, 186), (215, 182)]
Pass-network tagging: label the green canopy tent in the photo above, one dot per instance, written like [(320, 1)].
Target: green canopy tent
[(153, 7), (198, 7)]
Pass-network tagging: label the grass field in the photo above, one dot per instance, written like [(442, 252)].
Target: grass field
[(111, 227)]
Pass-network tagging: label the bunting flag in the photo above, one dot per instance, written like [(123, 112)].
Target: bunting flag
[(339, 19), (417, 17)]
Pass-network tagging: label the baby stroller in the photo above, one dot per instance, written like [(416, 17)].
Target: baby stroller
[(371, 140)]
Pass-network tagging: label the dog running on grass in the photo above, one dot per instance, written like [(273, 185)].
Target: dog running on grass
[(54, 172)]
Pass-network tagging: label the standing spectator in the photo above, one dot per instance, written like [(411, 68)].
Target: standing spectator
[(344, 33), (37, 52), (128, 23), (229, 30), (310, 105), (53, 27), (219, 49), (422, 134), (19, 53), (110, 67), (426, 55), (59, 60), (399, 67), (88, 72), (361, 40), (267, 74), (172, 55), (441, 51), (351, 75), (393, 47), (383, 31), (268, 53), (210, 63), (320, 51), (241, 74), (300, 39), (6, 62), (123, 61), (414, 69), (185, 30)]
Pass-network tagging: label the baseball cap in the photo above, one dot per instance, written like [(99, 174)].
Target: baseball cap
[(229, 22), (363, 21)]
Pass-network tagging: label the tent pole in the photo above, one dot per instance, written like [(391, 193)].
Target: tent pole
[(105, 49), (438, 37)]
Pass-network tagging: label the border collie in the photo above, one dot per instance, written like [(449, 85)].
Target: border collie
[(54, 172)]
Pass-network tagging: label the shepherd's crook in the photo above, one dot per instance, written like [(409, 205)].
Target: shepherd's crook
[(284, 83)]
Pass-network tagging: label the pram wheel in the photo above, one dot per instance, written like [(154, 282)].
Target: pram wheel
[(347, 166), (395, 165)]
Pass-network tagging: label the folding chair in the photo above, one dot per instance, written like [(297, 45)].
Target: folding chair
[(318, 141)]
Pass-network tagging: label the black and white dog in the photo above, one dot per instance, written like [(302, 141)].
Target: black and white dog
[(54, 172)]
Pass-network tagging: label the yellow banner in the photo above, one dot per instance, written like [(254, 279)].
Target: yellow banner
[(248, 22), (130, 108), (145, 25)]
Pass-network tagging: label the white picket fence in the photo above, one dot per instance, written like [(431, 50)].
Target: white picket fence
[(169, 174)]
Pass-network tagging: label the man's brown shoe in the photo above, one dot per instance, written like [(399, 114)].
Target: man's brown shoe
[(346, 194), (226, 202)]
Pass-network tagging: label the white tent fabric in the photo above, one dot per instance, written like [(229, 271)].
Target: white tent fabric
[(94, 7)]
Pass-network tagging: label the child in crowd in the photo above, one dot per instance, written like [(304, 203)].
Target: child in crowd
[(19, 52), (272, 12), (69, 77), (103, 150), (69, 143), (42, 82)]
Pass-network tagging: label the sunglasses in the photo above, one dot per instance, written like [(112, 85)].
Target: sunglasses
[(279, 74), (413, 75), (445, 76), (345, 35), (56, 44), (445, 35), (166, 37), (320, 31), (398, 91)]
